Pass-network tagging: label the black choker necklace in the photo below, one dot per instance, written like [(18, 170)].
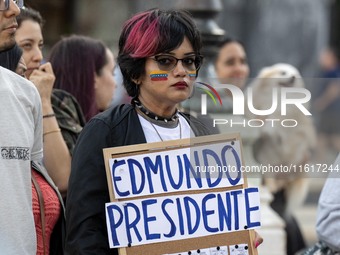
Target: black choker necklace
[(158, 120)]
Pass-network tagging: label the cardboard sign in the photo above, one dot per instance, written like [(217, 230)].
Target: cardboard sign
[(171, 218), (201, 167), (168, 197)]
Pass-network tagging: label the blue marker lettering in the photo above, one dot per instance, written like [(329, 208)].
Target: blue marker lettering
[(169, 172), (206, 153), (225, 163), (113, 224), (118, 178), (180, 216), (224, 211), (133, 224), (187, 202), (154, 167), (250, 209), (148, 219), (235, 193), (133, 170), (190, 170), (206, 213), (168, 217)]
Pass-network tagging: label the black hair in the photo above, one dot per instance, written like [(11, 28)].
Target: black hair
[(10, 58), (149, 33), (226, 40), (30, 14)]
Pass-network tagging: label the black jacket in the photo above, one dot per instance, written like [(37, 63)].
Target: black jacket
[(88, 189)]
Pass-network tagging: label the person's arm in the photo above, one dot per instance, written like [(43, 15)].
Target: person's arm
[(57, 158), (331, 93), (86, 231), (257, 239), (328, 216)]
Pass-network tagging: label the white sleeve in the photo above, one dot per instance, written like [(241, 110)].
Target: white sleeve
[(37, 149)]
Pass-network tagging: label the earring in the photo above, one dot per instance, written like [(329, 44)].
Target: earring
[(136, 81)]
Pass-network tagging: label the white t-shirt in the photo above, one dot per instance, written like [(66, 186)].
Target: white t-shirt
[(182, 130), (20, 142)]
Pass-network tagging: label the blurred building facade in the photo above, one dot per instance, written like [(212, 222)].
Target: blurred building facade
[(272, 30)]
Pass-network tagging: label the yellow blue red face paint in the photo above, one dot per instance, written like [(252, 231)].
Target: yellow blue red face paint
[(159, 75), (192, 74), (163, 75)]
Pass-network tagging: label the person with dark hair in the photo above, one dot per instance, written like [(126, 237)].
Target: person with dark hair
[(159, 56), (21, 143), (88, 77), (57, 158), (30, 40), (231, 63)]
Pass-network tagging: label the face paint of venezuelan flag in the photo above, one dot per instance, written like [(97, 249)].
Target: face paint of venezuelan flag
[(192, 74), (159, 75)]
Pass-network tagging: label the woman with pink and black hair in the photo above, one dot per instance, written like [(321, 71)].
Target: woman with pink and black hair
[(159, 56)]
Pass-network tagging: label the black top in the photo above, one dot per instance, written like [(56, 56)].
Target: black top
[(88, 188)]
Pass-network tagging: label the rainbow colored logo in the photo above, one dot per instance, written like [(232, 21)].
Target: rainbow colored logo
[(213, 94)]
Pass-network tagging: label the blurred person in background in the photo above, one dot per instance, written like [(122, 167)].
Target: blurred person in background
[(88, 77), (57, 158), (231, 64), (327, 103), (231, 67)]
